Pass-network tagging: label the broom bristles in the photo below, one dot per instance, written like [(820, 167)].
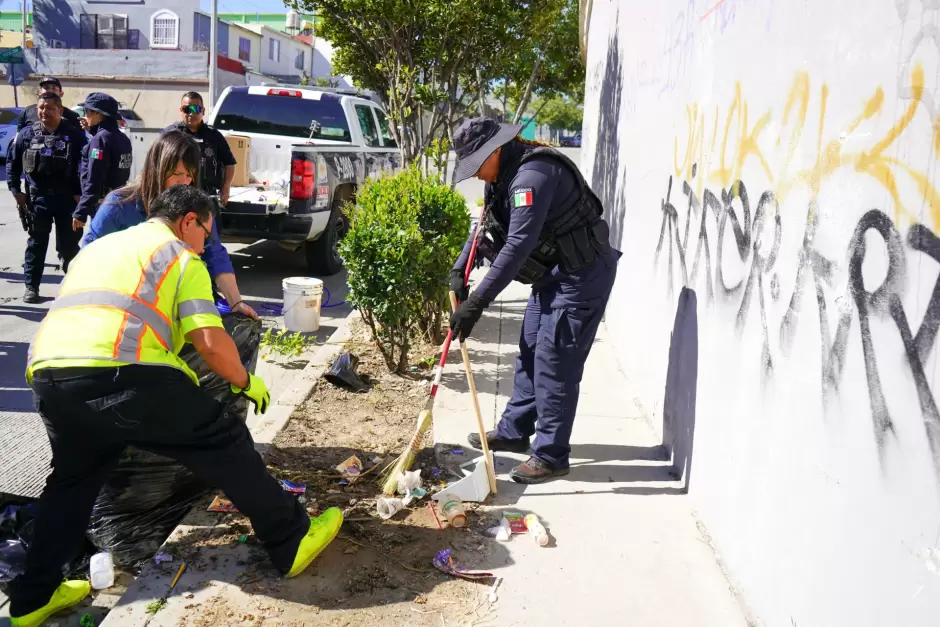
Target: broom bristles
[(407, 458)]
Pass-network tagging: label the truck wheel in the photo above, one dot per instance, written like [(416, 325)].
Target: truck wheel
[(323, 254)]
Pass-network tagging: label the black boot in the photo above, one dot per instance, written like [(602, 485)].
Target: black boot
[(497, 443), (31, 297)]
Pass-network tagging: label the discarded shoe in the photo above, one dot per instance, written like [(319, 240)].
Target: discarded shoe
[(66, 595), (31, 296), (323, 529), (497, 443), (536, 471)]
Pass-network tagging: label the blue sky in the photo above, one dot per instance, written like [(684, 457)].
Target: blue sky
[(246, 6)]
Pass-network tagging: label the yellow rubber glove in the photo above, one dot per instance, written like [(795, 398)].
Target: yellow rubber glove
[(257, 393)]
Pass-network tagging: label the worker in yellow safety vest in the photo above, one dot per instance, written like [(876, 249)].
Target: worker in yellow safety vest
[(105, 370)]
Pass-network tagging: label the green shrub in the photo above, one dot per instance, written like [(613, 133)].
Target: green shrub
[(405, 232)]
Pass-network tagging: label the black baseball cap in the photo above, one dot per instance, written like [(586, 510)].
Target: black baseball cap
[(476, 140), (50, 80)]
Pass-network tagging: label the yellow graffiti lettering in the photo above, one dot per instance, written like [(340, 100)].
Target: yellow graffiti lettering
[(830, 157)]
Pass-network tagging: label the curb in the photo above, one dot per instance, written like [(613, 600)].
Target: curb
[(302, 387), (131, 613)]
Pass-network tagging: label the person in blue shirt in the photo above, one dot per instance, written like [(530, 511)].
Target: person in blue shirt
[(544, 227), (48, 153), (173, 159), (106, 160)]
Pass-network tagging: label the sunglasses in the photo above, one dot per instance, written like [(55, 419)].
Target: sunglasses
[(192, 109)]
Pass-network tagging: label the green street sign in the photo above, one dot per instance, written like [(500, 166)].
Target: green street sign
[(12, 55)]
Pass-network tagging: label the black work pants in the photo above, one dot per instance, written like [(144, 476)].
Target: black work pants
[(49, 212), (92, 414)]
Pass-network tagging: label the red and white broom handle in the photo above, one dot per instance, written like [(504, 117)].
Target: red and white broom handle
[(466, 281)]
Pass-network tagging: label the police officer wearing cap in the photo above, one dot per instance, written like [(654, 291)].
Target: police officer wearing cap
[(30, 114), (217, 165), (48, 153), (544, 227), (106, 160)]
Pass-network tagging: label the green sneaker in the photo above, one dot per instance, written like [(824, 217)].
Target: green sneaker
[(323, 530), (66, 595)]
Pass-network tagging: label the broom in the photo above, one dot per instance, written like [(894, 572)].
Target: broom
[(390, 475)]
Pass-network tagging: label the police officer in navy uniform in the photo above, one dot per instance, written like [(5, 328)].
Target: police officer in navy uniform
[(106, 160), (544, 226), (48, 153), (30, 114), (217, 166)]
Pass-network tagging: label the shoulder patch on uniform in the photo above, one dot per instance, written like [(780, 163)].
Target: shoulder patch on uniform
[(522, 197), (96, 154)]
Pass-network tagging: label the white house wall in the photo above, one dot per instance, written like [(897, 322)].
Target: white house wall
[(780, 160)]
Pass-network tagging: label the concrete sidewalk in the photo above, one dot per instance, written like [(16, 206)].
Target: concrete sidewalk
[(626, 547)]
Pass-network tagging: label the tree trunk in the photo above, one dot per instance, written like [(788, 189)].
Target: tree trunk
[(527, 94), (481, 93)]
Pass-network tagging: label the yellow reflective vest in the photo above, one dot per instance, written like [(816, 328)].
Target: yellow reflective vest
[(129, 298)]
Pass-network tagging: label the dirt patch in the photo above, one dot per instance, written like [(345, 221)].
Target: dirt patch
[(377, 572)]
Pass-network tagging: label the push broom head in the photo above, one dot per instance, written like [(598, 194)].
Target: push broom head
[(406, 459)]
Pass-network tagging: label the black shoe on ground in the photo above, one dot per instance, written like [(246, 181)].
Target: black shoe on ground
[(536, 471), (497, 443), (31, 297)]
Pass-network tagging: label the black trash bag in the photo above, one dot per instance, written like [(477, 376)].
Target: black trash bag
[(147, 495), (17, 518), (343, 373)]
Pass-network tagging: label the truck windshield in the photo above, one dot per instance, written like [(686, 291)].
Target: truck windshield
[(282, 115)]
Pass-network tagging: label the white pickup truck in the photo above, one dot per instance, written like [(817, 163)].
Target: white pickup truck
[(310, 150)]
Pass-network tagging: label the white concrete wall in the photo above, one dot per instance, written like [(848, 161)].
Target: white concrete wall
[(816, 456)]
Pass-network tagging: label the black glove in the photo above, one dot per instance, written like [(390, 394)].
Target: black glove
[(466, 316), (457, 284)]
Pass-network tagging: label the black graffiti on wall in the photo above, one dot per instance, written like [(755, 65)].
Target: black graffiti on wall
[(758, 240)]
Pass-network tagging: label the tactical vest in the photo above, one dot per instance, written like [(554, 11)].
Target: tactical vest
[(572, 240), (48, 161), (211, 173)]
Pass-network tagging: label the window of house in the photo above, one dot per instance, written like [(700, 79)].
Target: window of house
[(367, 124), (274, 50), (164, 29), (299, 61), (103, 31), (244, 49), (384, 129)]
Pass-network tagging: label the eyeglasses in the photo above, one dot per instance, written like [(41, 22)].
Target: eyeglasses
[(192, 109), (204, 229)]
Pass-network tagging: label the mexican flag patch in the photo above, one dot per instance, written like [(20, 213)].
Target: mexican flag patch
[(97, 155), (522, 197)]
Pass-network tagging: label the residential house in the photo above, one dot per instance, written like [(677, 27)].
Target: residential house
[(244, 44), (122, 25), (282, 56)]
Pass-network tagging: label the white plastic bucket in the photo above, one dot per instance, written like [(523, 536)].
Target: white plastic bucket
[(303, 296)]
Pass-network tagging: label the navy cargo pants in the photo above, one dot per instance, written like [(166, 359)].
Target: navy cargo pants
[(49, 211), (554, 345)]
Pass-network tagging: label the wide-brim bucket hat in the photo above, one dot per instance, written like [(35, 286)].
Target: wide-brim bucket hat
[(476, 140), (103, 104)]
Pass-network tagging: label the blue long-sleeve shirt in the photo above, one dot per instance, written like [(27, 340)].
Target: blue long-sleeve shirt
[(116, 214)]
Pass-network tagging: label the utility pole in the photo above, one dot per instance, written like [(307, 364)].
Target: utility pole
[(213, 52), (24, 26)]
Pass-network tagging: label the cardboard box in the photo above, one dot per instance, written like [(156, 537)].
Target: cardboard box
[(240, 146)]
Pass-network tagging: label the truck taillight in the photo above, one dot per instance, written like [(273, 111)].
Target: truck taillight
[(302, 180), (294, 93)]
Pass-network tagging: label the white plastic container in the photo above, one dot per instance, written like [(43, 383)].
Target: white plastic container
[(303, 297), (536, 530), (102, 571)]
